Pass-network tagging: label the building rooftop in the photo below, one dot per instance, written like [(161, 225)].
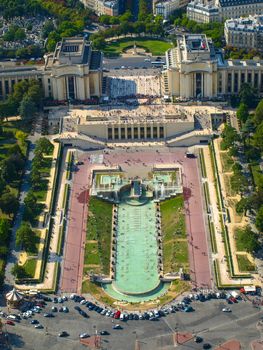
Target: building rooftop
[(227, 3), (247, 24), (196, 42), (125, 114), (202, 7)]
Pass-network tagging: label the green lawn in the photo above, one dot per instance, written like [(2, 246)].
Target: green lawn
[(41, 192), (154, 46), (92, 254), (175, 246), (36, 244), (45, 169), (226, 161), (99, 229), (30, 268), (173, 219), (244, 264)]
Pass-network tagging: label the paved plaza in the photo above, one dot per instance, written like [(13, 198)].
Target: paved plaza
[(132, 85), (137, 162)]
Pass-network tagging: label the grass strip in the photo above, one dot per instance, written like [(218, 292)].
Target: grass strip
[(202, 163)]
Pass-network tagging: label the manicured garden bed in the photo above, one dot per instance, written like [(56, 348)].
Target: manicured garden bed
[(30, 268), (99, 229), (154, 46), (175, 247), (244, 264)]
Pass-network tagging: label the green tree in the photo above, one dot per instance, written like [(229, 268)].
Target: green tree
[(230, 136), (8, 171), (25, 237), (44, 145), (31, 206), (20, 34), (259, 113), (248, 239), (259, 219), (233, 151), (247, 95), (27, 108), (99, 43), (48, 27), (258, 137), (4, 230), (8, 203), (35, 177), (18, 271), (242, 112), (236, 167), (243, 206)]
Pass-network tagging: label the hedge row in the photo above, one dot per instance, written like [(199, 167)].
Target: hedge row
[(202, 163), (69, 165), (219, 283)]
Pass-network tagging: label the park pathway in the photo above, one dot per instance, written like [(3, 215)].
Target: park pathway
[(13, 256)]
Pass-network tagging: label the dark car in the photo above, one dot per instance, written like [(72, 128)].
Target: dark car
[(198, 339), (130, 317), (104, 333), (54, 309), (63, 334), (91, 306), (55, 300), (146, 315), (48, 314), (77, 308), (206, 346), (83, 313), (34, 322), (10, 323)]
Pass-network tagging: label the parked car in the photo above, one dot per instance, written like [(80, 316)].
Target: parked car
[(48, 314), (83, 313), (198, 339), (39, 326), (63, 334), (54, 309), (34, 321), (65, 309), (77, 308), (117, 326), (117, 314), (84, 335), (226, 309), (104, 333), (10, 323)]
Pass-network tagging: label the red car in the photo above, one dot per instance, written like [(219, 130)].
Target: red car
[(117, 314), (233, 300), (11, 323)]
